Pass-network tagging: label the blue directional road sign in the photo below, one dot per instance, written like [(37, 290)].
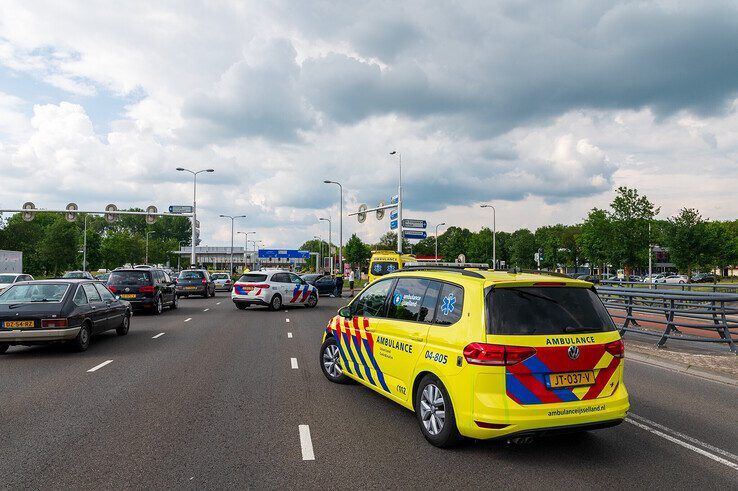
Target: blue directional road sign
[(394, 199), (414, 234), (393, 215), (393, 224), (180, 209), (283, 254), (412, 223)]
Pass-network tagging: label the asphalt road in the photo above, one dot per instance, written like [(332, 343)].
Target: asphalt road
[(215, 402)]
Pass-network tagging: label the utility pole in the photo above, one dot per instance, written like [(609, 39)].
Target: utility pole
[(340, 227), (193, 256), (399, 204), (330, 253), (494, 235)]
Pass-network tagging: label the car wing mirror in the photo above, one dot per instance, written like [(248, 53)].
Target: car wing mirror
[(345, 312)]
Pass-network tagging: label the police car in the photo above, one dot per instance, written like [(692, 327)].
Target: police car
[(482, 354), (273, 289)]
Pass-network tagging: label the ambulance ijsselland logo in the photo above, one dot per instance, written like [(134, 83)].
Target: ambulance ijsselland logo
[(449, 303), (573, 352)]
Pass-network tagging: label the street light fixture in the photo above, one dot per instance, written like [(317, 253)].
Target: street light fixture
[(320, 252), (442, 223), (340, 227), (193, 258), (246, 245), (233, 219), (330, 253), (494, 234)]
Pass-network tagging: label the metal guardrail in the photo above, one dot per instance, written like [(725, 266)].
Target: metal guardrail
[(709, 287), (703, 311)]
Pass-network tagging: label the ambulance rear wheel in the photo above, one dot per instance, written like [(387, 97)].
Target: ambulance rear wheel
[(435, 413)]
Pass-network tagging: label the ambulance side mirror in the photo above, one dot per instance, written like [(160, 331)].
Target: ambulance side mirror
[(345, 312)]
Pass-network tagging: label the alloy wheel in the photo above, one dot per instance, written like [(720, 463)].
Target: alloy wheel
[(432, 409), (331, 361)]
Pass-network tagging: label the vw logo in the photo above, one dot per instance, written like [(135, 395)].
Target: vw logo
[(128, 289), (573, 352)]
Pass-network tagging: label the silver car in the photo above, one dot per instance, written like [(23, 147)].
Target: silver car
[(222, 281)]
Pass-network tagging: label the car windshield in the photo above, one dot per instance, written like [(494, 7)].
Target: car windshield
[(380, 268), (191, 275), (252, 278), (546, 310), (7, 278), (133, 278), (75, 275), (39, 292)]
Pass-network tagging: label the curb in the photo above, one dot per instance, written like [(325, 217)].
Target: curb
[(681, 368)]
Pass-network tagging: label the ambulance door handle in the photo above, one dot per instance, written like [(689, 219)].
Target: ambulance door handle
[(368, 329), (419, 338)]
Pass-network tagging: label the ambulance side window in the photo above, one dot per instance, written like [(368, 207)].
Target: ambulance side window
[(372, 301), (407, 299), (450, 304), (430, 301)]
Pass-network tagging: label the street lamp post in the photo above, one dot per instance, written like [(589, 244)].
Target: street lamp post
[(193, 258), (84, 246), (399, 204), (146, 260), (246, 245), (442, 223), (256, 248), (329, 240), (320, 252), (179, 256), (494, 234), (233, 219), (340, 228)]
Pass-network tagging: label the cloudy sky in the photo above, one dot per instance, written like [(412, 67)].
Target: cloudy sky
[(541, 108)]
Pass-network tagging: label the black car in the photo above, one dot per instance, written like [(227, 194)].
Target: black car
[(149, 289), (589, 277), (325, 283), (52, 311), (195, 282)]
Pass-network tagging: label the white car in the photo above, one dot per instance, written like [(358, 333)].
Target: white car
[(222, 281), (273, 289), (675, 278), (7, 279), (656, 278)]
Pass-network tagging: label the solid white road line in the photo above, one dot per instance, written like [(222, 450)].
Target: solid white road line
[(688, 438), (188, 319), (632, 420), (287, 320), (289, 335), (206, 310), (98, 367), (306, 443), (218, 303), (158, 335), (293, 362)]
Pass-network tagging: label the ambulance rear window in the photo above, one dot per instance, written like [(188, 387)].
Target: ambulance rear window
[(546, 310)]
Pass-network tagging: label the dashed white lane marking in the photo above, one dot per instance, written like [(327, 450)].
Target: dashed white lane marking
[(188, 319), (157, 336), (206, 310), (217, 303), (682, 440), (293, 362), (287, 320), (306, 443), (289, 335), (98, 367)]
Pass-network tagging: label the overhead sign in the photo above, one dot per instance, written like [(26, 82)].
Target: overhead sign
[(361, 216), (414, 234), (380, 213), (110, 216), (393, 224), (393, 215), (151, 216), (180, 209), (28, 215), (71, 216), (283, 254), (412, 223), (394, 199)]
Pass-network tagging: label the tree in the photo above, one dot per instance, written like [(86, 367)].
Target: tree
[(314, 245), (596, 238), (357, 252), (688, 240), (480, 247), (630, 217), (454, 241), (522, 248), (58, 248), (388, 242)]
